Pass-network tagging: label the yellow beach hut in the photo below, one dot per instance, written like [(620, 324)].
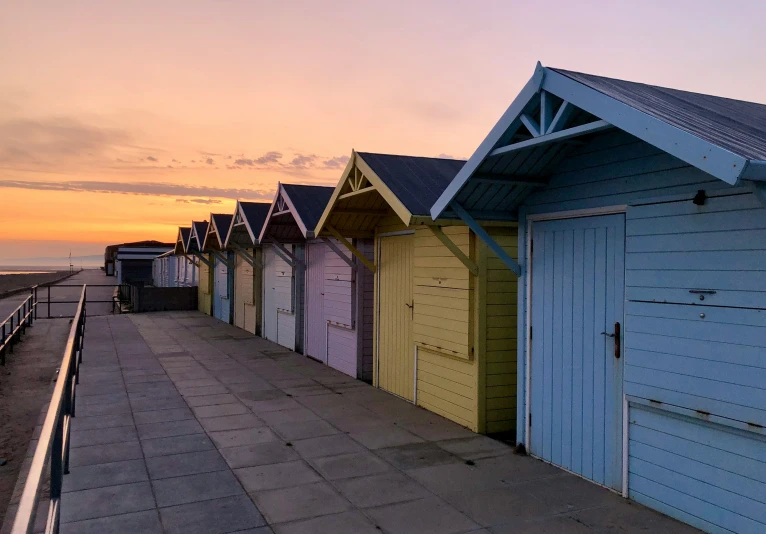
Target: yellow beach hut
[(242, 238), (444, 304)]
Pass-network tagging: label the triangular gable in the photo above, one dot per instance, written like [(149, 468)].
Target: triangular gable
[(197, 236), (217, 231), (182, 240), (357, 182), (543, 112), (247, 223), (289, 215)]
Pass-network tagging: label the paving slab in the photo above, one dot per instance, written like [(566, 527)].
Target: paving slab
[(167, 429), (425, 515), (107, 501), (377, 490), (218, 516), (102, 475), (176, 445), (270, 452), (356, 464), (231, 422), (190, 463), (273, 476), (300, 502), (343, 523), (102, 454), (146, 522), (194, 488)]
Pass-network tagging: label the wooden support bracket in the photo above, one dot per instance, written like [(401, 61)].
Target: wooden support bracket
[(195, 263), (352, 248), (459, 254), (484, 236), (339, 252), (203, 259), (245, 255), (223, 259), (283, 253)]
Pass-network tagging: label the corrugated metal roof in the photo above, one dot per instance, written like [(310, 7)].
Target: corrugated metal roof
[(416, 181), (309, 202), (734, 125), (255, 213)]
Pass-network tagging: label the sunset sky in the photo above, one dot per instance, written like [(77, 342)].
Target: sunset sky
[(123, 120)]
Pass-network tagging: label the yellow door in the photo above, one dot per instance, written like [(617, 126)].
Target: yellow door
[(396, 354)]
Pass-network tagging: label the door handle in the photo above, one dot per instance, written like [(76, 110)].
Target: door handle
[(617, 338)]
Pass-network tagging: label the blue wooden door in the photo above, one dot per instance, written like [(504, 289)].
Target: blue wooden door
[(578, 287)]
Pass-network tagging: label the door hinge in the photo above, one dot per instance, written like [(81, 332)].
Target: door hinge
[(531, 247), (530, 333), (530, 420)]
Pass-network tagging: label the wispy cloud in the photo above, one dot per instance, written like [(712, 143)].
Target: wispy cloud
[(336, 162), (140, 188), (269, 157), (198, 201), (151, 158), (209, 161)]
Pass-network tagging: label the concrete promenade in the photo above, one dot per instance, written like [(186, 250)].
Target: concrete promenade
[(60, 292), (188, 425)]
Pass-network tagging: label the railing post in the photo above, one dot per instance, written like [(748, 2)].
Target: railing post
[(35, 302), (49, 301), (2, 351), (10, 343)]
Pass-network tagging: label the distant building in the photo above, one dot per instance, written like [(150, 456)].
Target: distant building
[(132, 262)]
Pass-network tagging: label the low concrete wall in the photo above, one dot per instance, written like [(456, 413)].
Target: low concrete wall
[(149, 298)]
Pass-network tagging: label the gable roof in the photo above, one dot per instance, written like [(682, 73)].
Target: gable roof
[(219, 226), (305, 204), (199, 228), (725, 138), (183, 238), (734, 125), (250, 216), (416, 181), (373, 184)]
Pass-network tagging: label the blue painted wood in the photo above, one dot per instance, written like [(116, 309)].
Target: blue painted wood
[(576, 380), (717, 161), (484, 236), (546, 111), (562, 116), (530, 124), (702, 473), (561, 135)]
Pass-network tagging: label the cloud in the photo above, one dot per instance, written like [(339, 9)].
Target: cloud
[(202, 152), (303, 161), (176, 161), (140, 188), (336, 162), (242, 161), (55, 138), (445, 156), (269, 157), (194, 161), (151, 158), (198, 201), (209, 161)]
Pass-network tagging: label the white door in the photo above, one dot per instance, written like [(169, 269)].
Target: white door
[(269, 294)]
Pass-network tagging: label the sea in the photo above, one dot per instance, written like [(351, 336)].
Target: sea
[(23, 269)]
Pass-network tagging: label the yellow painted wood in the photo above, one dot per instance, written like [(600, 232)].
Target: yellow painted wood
[(396, 359), (459, 254), (247, 293), (204, 293)]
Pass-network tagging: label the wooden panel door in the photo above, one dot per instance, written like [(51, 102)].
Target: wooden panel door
[(396, 356), (316, 325), (578, 287), (269, 294)]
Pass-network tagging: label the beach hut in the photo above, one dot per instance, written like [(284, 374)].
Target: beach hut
[(223, 266), (194, 248), (185, 267), (134, 262), (289, 223), (242, 238), (163, 270), (642, 287), (444, 311)]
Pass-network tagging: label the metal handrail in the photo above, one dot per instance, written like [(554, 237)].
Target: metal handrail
[(53, 446), (48, 301), (17, 322)]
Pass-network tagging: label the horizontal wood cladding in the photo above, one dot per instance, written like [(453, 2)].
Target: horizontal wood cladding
[(616, 168), (500, 367), (448, 387), (677, 252), (443, 293), (704, 474), (707, 359)]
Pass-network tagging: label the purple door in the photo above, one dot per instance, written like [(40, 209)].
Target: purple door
[(316, 324)]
